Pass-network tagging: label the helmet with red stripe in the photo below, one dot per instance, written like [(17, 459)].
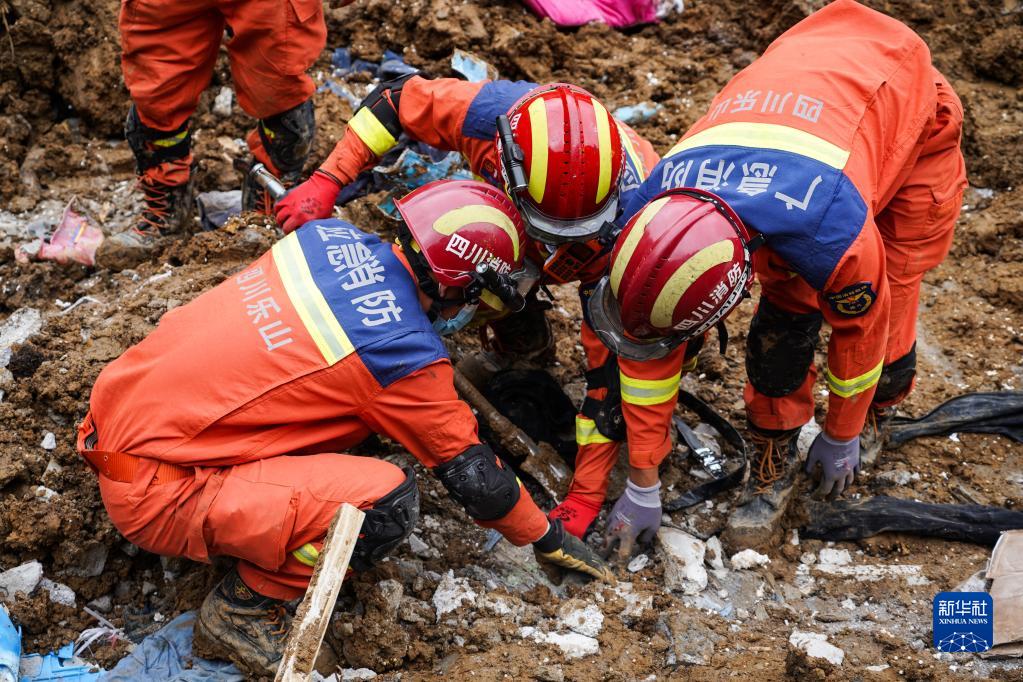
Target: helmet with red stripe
[(681, 265), (561, 161), (453, 229)]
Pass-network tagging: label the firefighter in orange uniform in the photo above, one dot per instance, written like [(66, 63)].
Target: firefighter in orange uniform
[(217, 434), (570, 167), (838, 150)]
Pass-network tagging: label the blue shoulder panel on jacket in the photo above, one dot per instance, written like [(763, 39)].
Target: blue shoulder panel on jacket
[(372, 296), (809, 212), (493, 99)]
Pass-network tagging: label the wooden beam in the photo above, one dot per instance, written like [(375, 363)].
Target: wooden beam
[(313, 615)]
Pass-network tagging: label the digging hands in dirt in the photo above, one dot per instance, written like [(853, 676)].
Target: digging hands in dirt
[(839, 463), (635, 516), (560, 553)]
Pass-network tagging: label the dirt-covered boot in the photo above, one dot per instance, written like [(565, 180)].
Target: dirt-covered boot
[(756, 523), (875, 434), (236, 624), (167, 213), (281, 143)]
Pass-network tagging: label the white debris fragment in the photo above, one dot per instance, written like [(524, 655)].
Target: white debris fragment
[(18, 328), (59, 593), (749, 558), (357, 674), (682, 555), (954, 437), (451, 592), (572, 644), (43, 493), (715, 556), (222, 102), (848, 603), (816, 645), (586, 621), (638, 563), (49, 441), (807, 435), (874, 572), (22, 578), (807, 558), (634, 604), (419, 548), (877, 668), (835, 557)]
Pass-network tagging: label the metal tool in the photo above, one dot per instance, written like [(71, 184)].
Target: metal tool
[(268, 181), (714, 464)]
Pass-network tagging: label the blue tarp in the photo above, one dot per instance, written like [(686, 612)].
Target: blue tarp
[(166, 655)]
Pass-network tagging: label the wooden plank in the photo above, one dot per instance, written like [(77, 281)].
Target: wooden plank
[(313, 615)]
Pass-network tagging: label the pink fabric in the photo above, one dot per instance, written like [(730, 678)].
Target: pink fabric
[(617, 13)]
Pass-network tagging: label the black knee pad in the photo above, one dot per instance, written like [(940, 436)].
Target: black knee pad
[(388, 523), (288, 137), (779, 350), (486, 489), (896, 378), (606, 412), (152, 147)]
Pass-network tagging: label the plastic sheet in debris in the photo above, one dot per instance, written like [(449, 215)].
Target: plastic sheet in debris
[(472, 67), (637, 113), (167, 655), (216, 207), (74, 240), (412, 170), (617, 13), (10, 648), (391, 66), (62, 665)]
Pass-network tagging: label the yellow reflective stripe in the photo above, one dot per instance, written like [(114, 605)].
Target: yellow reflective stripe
[(492, 300), (690, 364), (767, 136), (371, 131), (604, 148), (586, 432), (680, 281), (312, 308), (538, 162), (457, 218), (632, 240), (307, 554), (266, 131), (847, 388), (630, 150), (649, 391), (171, 141)]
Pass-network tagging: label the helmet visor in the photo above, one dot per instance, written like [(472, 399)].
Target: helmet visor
[(606, 321), (557, 231)]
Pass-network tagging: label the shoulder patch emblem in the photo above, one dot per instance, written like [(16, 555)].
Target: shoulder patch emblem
[(854, 300)]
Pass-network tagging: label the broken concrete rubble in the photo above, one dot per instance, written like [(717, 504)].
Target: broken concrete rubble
[(816, 645), (682, 555)]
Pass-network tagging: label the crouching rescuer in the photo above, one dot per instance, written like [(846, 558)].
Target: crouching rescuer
[(223, 432)]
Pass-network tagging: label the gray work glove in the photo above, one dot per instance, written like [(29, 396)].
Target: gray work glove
[(636, 515), (839, 460)]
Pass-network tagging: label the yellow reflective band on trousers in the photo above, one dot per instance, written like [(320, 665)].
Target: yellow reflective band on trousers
[(371, 131), (689, 364), (307, 554), (173, 140), (649, 391), (316, 315), (847, 388), (586, 432), (767, 136)]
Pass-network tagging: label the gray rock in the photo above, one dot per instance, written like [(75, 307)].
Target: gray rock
[(59, 593), (21, 325), (94, 560), (390, 593), (148, 588), (49, 441), (102, 604), (24, 579)]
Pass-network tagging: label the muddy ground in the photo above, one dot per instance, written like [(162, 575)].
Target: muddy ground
[(61, 107)]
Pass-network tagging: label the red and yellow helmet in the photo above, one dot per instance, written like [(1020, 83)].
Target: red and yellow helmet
[(681, 265), (452, 227), (561, 161)]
